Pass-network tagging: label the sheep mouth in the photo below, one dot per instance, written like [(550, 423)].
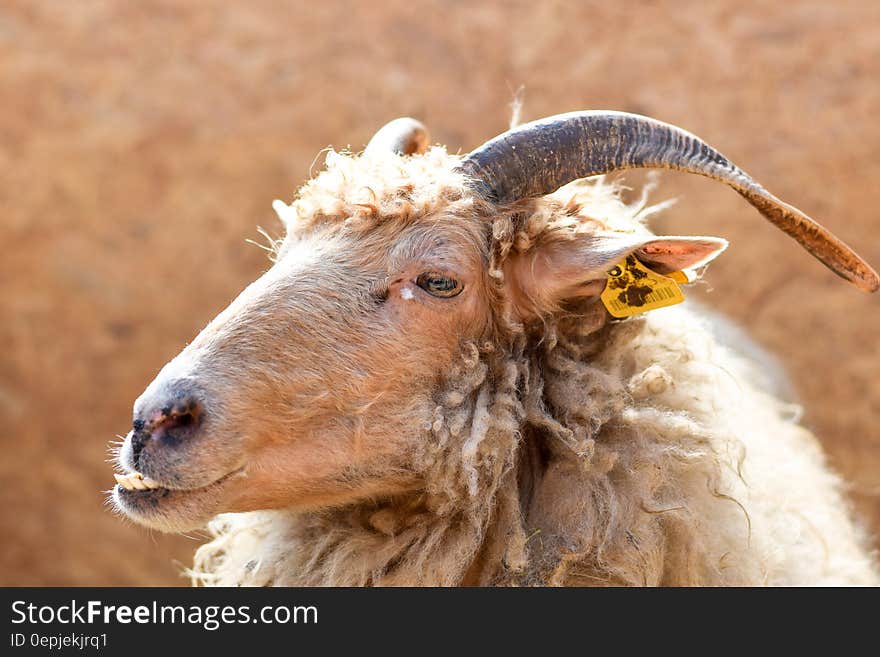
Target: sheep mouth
[(135, 482), (154, 505)]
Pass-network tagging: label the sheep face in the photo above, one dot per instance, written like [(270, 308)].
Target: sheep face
[(317, 386), (307, 390)]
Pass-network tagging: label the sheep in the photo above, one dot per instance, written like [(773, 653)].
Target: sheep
[(426, 387)]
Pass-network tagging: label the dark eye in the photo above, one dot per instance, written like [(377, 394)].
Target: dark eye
[(438, 285)]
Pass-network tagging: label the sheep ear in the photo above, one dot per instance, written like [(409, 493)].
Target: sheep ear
[(674, 253), (550, 273)]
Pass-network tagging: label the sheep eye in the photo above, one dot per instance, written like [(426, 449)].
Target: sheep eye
[(438, 285)]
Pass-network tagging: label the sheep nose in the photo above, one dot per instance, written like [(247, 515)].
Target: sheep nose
[(169, 420)]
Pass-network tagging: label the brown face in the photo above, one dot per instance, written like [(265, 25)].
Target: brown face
[(303, 392)]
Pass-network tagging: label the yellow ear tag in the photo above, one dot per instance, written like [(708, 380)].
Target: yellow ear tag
[(632, 289)]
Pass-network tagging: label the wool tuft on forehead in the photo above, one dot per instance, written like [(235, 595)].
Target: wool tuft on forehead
[(362, 191)]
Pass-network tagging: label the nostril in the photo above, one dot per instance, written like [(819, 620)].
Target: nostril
[(185, 420), (168, 425), (182, 416)]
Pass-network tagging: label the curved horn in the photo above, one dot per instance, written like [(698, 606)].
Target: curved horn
[(538, 158), (403, 136)]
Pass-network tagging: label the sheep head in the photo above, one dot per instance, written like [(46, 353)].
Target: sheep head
[(319, 385)]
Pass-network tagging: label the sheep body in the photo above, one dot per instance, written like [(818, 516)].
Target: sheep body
[(644, 452)]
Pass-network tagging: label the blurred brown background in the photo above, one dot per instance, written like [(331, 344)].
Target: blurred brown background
[(141, 143)]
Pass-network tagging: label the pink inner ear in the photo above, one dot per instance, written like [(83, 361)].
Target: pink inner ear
[(668, 255)]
